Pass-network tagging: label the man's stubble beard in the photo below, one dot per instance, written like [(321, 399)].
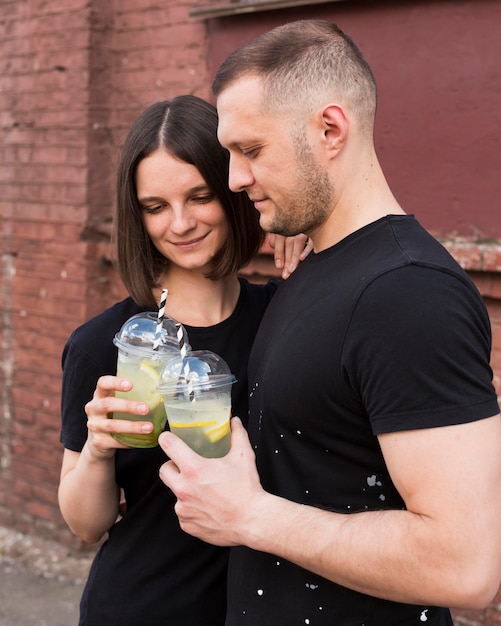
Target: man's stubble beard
[(310, 202)]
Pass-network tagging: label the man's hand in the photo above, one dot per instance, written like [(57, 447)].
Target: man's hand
[(214, 496)]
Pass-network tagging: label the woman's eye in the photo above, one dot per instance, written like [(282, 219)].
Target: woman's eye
[(151, 210), (204, 199)]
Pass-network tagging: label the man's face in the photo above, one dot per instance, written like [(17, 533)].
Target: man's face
[(273, 162)]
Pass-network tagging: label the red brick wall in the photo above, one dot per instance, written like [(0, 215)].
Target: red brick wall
[(74, 74), (44, 57)]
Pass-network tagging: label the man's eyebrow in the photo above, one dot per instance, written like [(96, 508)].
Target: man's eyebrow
[(241, 144), (229, 142)]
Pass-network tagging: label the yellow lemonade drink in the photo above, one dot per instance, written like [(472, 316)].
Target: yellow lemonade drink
[(203, 424), (145, 375), (196, 390)]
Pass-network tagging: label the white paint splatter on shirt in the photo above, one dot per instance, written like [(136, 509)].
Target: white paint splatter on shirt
[(372, 481)]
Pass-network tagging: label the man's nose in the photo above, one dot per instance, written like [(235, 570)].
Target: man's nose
[(240, 175)]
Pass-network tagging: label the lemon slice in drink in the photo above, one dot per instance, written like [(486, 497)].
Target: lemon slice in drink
[(215, 434), (147, 383), (192, 424)]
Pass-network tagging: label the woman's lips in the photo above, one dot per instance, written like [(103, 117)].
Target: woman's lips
[(188, 244)]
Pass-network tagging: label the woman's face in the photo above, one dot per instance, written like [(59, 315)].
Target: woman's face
[(185, 220)]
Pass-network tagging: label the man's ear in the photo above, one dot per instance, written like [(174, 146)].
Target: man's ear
[(334, 127)]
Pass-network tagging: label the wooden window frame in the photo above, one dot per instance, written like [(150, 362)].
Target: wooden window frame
[(238, 7)]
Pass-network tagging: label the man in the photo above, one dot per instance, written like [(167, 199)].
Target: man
[(373, 419)]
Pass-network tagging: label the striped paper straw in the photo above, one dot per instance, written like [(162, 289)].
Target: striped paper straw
[(160, 319), (180, 339), (184, 377)]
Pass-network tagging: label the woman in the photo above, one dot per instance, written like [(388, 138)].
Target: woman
[(177, 226)]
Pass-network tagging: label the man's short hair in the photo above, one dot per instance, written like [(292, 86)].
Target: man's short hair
[(302, 64)]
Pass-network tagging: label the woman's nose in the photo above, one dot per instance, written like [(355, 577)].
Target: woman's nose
[(182, 220)]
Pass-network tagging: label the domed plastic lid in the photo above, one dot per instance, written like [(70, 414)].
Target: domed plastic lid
[(139, 333), (200, 369)]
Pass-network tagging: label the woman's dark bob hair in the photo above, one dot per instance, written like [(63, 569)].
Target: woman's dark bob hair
[(186, 127)]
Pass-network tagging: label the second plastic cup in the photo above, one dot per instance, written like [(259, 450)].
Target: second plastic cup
[(196, 391)]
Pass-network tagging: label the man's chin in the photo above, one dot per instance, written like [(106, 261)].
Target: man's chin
[(266, 224), (270, 224)]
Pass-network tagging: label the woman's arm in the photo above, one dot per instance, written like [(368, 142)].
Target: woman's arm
[(89, 496), (289, 251)]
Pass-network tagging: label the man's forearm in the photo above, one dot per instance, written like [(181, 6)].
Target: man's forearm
[(391, 554)]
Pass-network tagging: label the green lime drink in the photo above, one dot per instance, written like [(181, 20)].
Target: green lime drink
[(143, 351), (196, 391)]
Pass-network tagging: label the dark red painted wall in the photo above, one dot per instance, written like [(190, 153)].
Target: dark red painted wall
[(438, 68)]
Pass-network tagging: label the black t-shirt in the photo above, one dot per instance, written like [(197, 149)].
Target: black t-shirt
[(149, 572), (380, 333)]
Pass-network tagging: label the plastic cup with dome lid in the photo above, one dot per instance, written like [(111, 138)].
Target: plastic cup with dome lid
[(196, 391), (144, 348)]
